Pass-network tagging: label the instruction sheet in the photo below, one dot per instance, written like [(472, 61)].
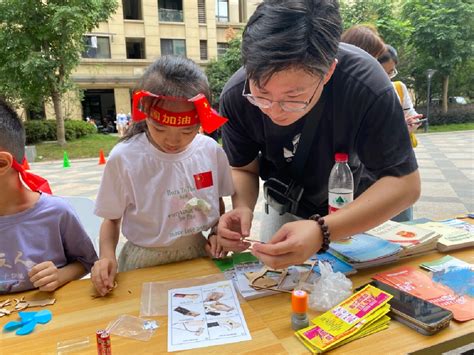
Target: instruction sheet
[(205, 315)]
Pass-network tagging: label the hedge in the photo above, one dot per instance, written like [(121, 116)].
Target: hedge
[(455, 114), (45, 130)]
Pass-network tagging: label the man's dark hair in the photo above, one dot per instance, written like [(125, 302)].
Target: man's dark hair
[(389, 54), (283, 34), (12, 133)]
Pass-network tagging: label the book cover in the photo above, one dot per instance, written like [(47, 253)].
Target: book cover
[(408, 236), (445, 263), (363, 248), (451, 238), (457, 223), (419, 284)]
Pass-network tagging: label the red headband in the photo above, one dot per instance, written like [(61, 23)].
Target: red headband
[(34, 182), (210, 120)]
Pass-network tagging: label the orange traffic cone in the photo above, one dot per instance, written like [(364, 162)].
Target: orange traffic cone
[(25, 164), (101, 158)]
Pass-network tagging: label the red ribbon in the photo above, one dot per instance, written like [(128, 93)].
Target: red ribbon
[(34, 182), (210, 120)]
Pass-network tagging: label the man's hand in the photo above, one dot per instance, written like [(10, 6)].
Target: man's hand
[(103, 275), (45, 276), (233, 227), (292, 244)]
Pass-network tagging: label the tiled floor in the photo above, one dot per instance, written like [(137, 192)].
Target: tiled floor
[(446, 163)]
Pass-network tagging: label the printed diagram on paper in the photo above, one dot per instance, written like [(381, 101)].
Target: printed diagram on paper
[(205, 315)]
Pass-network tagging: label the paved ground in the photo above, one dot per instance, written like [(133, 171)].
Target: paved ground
[(446, 163)]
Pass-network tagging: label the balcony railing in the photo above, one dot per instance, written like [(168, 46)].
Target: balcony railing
[(170, 15)]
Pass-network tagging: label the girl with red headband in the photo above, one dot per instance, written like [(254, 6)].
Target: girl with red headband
[(163, 183)]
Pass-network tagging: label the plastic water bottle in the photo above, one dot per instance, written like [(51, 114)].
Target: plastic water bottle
[(341, 184)]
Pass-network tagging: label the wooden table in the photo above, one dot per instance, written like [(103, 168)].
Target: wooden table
[(77, 315)]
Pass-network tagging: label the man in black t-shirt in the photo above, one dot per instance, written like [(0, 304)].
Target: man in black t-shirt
[(295, 70)]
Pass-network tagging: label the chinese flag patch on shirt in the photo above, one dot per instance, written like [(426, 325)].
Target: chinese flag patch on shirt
[(203, 180)]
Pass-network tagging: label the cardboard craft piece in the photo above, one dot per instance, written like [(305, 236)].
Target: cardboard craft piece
[(19, 304), (259, 279)]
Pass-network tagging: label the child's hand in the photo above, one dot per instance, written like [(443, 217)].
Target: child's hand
[(213, 248), (103, 275), (45, 276)]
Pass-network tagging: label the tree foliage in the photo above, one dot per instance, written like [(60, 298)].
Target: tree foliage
[(435, 34), (442, 37), (221, 69), (42, 41)]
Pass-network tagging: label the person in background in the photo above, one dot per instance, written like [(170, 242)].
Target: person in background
[(163, 183), (294, 70), (42, 243), (367, 38), (389, 62)]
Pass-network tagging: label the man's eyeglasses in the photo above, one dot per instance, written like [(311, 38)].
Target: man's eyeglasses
[(393, 73), (288, 106)]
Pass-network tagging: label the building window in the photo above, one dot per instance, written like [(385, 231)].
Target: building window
[(135, 48), (132, 9), (202, 11), (173, 47), (96, 47), (222, 48), (170, 10), (203, 49), (222, 10)]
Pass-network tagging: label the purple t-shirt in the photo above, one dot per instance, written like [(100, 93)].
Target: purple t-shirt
[(48, 231)]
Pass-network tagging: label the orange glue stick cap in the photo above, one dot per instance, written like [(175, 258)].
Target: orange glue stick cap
[(299, 301)]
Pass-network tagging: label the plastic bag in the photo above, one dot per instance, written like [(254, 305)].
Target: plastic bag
[(330, 289), (154, 300), (133, 327)]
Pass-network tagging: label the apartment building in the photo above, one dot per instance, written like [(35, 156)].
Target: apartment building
[(118, 51)]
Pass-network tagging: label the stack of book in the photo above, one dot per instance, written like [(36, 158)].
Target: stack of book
[(363, 250), (453, 234), (413, 239), (419, 284), (384, 244), (362, 314)]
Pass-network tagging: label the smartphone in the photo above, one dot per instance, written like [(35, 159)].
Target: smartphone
[(418, 121), (424, 317)]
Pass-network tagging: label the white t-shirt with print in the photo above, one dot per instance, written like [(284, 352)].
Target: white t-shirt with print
[(162, 196)]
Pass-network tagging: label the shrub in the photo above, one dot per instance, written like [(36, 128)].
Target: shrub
[(45, 130), (455, 114)]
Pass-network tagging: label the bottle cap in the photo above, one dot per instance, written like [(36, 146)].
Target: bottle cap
[(299, 301), (341, 157)]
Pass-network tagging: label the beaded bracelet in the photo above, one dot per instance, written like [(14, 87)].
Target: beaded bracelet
[(324, 229)]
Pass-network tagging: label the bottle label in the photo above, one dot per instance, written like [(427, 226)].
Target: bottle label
[(339, 198)]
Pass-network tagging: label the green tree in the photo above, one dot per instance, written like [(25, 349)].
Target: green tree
[(221, 69), (42, 41), (383, 14), (442, 37)]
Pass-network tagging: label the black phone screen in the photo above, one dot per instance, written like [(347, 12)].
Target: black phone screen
[(413, 306)]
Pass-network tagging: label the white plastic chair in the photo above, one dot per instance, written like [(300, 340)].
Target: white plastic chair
[(85, 210)]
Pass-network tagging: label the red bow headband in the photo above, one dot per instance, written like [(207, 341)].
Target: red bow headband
[(210, 120), (34, 182)]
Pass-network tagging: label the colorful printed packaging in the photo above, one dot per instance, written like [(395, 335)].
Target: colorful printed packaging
[(342, 322)]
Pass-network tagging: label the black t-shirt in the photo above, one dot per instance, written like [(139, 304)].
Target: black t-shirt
[(362, 116)]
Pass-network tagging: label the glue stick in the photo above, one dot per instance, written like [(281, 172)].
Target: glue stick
[(299, 305)]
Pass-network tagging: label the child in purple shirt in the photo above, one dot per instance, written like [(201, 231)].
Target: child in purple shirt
[(42, 243)]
